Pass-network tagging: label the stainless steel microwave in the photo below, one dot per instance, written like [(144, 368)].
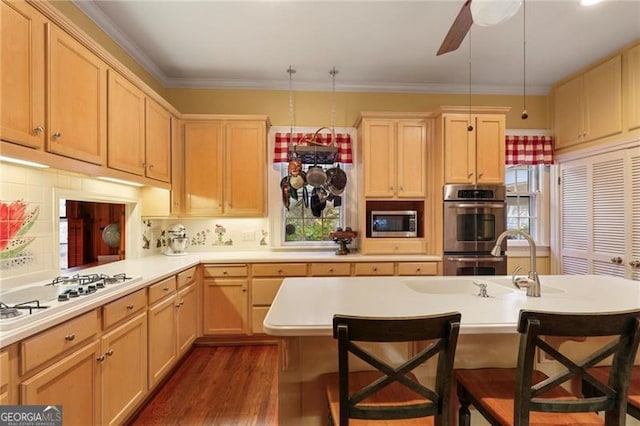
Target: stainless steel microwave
[(394, 223)]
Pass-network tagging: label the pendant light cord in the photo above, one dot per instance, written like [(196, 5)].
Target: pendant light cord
[(333, 73), (525, 114), (291, 71), (470, 126)]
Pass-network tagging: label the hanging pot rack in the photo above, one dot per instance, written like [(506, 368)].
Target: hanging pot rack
[(310, 148)]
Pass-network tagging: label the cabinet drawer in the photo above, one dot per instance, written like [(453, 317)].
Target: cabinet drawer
[(373, 268), (122, 308), (417, 268), (257, 318), (57, 340), (186, 277), (396, 245), (280, 270), (263, 290), (225, 271), (161, 289), (330, 269)]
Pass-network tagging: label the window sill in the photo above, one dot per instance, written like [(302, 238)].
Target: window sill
[(521, 249)]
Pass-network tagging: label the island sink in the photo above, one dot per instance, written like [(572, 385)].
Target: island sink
[(458, 286)]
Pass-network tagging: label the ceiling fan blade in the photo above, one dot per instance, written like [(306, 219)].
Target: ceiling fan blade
[(458, 30)]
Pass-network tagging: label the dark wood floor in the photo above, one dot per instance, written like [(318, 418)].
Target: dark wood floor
[(226, 385)]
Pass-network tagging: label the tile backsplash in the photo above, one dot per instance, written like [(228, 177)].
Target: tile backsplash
[(29, 217), (206, 234)]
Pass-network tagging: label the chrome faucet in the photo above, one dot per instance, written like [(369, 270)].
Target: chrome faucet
[(531, 282)]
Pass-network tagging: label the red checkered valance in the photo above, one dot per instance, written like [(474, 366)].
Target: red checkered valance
[(284, 141), (529, 150)]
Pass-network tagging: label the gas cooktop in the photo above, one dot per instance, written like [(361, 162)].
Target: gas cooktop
[(22, 305)]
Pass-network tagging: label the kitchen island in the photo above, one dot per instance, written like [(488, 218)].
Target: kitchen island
[(301, 315)]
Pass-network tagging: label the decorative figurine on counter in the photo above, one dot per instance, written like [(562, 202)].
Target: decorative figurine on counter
[(342, 238)]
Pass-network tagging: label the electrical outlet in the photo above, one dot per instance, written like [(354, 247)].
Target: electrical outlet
[(249, 236)]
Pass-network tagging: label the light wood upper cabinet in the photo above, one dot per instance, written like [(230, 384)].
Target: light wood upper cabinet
[(475, 156), (225, 168), (589, 106), (22, 74), (158, 141), (245, 168), (177, 167), (631, 59), (139, 131), (394, 158), (126, 149), (77, 101), (203, 171)]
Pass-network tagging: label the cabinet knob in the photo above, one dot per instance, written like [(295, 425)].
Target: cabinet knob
[(469, 175), (38, 130), (166, 289), (109, 352), (130, 306), (617, 260), (418, 269), (244, 289), (151, 166), (100, 358), (57, 135), (224, 272), (177, 305), (69, 337), (401, 189), (480, 175), (634, 263), (391, 188), (331, 270), (375, 269)]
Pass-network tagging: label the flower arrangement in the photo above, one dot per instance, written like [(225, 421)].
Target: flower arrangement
[(15, 222)]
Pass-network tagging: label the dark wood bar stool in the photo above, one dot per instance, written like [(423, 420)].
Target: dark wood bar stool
[(390, 393), (633, 398), (524, 396)]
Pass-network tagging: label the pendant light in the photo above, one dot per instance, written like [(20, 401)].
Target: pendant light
[(524, 114)]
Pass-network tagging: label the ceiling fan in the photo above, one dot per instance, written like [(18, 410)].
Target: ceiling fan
[(480, 12)]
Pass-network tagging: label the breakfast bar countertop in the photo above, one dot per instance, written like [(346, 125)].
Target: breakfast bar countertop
[(305, 306)]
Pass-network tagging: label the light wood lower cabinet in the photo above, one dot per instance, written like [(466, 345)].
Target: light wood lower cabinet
[(225, 306), (374, 268), (74, 382), (162, 338), (187, 329), (123, 361)]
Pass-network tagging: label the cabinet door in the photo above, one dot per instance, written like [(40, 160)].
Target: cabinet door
[(187, 318), (459, 150), (158, 142), (126, 125), (632, 87), (73, 383), (177, 166), (245, 169), (22, 55), (77, 102), (379, 158), (490, 149), (124, 369), (603, 99), (412, 157), (162, 339), (569, 113), (203, 171), (225, 306)]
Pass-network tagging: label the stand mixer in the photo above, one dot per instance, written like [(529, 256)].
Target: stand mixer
[(176, 241)]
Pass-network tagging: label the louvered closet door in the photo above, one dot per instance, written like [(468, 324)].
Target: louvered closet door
[(596, 212), (575, 239), (609, 212), (635, 215)]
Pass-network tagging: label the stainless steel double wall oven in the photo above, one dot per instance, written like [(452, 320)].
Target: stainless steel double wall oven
[(474, 216)]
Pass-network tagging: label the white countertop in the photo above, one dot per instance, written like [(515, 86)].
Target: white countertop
[(153, 268), (305, 306)]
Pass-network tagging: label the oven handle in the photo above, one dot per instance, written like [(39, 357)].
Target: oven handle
[(475, 259), (476, 205)]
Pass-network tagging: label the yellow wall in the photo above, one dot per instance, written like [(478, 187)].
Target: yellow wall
[(314, 108), (311, 108)]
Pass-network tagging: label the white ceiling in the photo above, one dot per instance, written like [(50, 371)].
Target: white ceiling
[(375, 45)]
